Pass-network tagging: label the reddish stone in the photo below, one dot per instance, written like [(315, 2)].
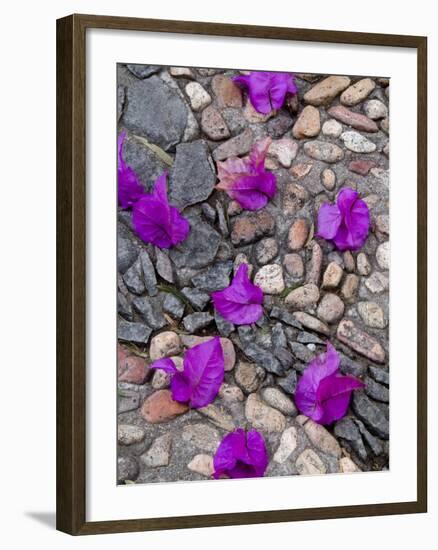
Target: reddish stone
[(226, 92), (361, 167), (252, 227), (131, 368), (160, 407), (355, 120), (298, 234)]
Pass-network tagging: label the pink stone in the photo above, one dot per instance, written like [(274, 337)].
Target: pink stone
[(226, 92), (355, 120), (131, 368), (361, 167)]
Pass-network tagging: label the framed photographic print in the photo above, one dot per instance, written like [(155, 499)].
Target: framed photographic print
[(238, 342)]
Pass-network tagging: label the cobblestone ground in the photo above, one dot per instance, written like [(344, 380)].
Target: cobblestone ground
[(335, 133)]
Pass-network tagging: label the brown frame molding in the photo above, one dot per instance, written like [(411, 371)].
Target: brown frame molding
[(71, 231)]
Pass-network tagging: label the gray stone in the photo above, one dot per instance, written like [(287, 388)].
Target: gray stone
[(264, 358), (133, 278), (218, 416), (173, 305), (150, 311), (159, 452), (371, 414), (200, 247), (348, 366), (149, 277), (164, 265), (347, 430), (197, 321), (147, 109), (127, 469), (133, 332), (285, 317), (224, 327), (215, 278), (146, 164), (222, 222), (120, 100), (357, 142), (124, 307), (380, 375), (209, 212), (376, 391), (192, 177), (375, 443), (236, 146), (197, 298), (288, 382), (143, 71), (309, 338), (301, 352), (278, 336), (127, 251), (127, 400)]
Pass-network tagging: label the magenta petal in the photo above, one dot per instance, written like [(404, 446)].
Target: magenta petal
[(129, 189), (322, 393), (180, 387), (241, 455), (334, 394), (166, 364), (204, 371), (347, 222), (156, 221), (267, 90), (240, 303), (246, 180), (329, 220)]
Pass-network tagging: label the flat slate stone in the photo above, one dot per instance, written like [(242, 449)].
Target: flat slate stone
[(142, 71), (371, 414), (148, 105), (200, 247), (192, 177), (216, 278), (133, 332), (264, 358), (143, 161)]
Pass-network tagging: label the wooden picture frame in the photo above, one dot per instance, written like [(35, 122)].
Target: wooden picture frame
[(71, 271)]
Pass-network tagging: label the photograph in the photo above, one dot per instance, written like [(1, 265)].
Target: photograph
[(253, 273)]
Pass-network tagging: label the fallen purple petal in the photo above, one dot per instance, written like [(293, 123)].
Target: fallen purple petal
[(323, 393), (156, 221), (129, 189), (246, 180), (241, 455), (241, 302), (267, 91), (346, 223)]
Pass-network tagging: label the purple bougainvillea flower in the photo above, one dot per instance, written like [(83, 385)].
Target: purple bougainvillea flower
[(241, 302), (199, 381), (323, 393), (267, 91), (346, 223), (246, 180), (241, 454), (128, 186), (156, 221)]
